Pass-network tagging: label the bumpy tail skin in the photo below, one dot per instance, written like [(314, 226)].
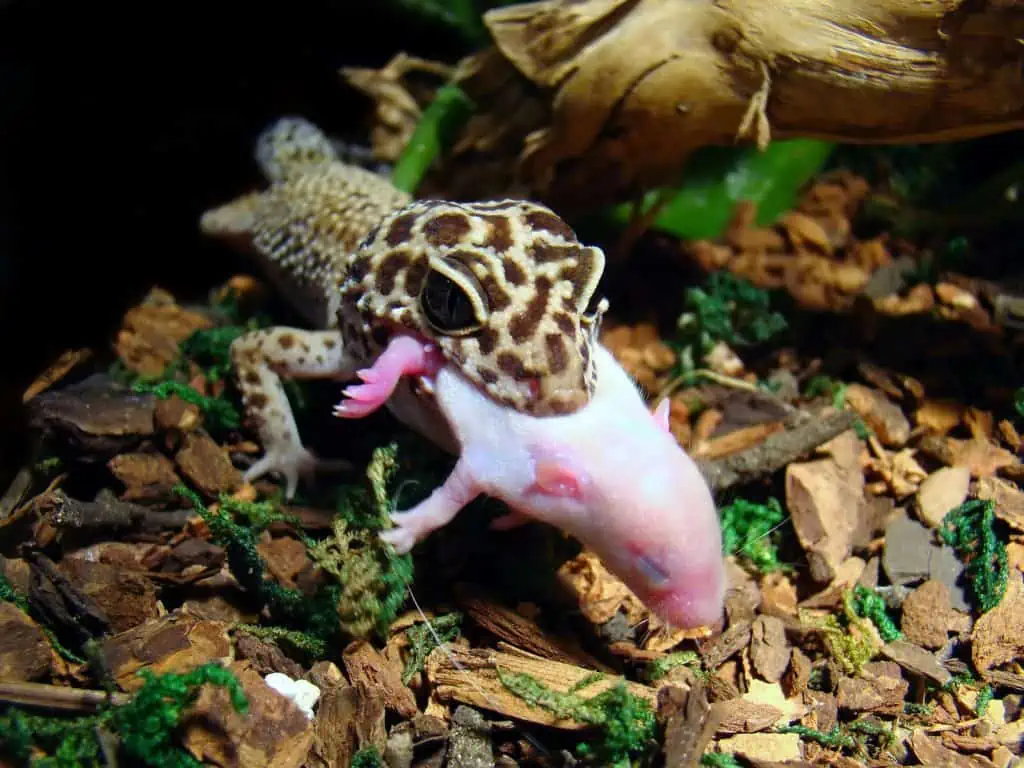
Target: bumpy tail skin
[(290, 144)]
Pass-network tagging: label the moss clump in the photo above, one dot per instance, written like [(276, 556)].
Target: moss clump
[(747, 530), (374, 581), (370, 582), (367, 758), (871, 605), (424, 638), (626, 722), (145, 725), (850, 639), (728, 309), (970, 530), (219, 413), (658, 668)]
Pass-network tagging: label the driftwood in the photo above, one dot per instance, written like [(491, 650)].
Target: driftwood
[(599, 100)]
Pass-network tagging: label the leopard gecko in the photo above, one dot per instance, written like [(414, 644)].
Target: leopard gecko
[(475, 324)]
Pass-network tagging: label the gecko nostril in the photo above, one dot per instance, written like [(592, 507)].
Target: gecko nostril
[(655, 575)]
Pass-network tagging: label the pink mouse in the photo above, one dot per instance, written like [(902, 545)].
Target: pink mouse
[(609, 474)]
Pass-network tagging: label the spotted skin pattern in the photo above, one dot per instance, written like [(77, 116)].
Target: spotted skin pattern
[(355, 255), (531, 278)]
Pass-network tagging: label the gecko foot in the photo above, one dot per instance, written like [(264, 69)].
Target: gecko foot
[(293, 462), (404, 356)]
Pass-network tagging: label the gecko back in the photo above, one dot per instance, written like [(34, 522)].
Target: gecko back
[(307, 223), (502, 290)]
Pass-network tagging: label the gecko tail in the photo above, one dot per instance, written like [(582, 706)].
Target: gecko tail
[(290, 144), (232, 220)]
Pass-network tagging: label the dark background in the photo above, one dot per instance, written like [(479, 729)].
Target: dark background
[(120, 123)]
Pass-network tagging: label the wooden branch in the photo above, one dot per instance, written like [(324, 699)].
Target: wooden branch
[(607, 97), (775, 452), (470, 677), (59, 697)]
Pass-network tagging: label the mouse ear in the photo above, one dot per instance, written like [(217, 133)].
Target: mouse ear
[(554, 478), (661, 412)]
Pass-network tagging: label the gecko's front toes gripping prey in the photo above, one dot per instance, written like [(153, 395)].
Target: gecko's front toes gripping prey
[(292, 464)]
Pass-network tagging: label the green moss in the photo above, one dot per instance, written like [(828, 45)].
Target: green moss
[(849, 638), (970, 530), (367, 758), (726, 309), (871, 605), (145, 725), (748, 528), (626, 722), (658, 668), (423, 639), (985, 696), (719, 760), (836, 738), (370, 583)]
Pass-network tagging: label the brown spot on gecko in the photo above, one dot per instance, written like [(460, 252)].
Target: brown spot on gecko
[(389, 268), (401, 228), (257, 400), (330, 343), (488, 376), (559, 405), (525, 324), (286, 341), (512, 366), (564, 323), (415, 276), (251, 377), (320, 359), (359, 267), (513, 272), (557, 356), (548, 222), (302, 359), (446, 229), (499, 236), (487, 338), (543, 253), (497, 299)]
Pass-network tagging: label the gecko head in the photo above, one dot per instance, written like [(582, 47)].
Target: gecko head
[(504, 288)]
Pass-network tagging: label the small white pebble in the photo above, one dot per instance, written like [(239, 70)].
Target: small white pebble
[(306, 695), (302, 692)]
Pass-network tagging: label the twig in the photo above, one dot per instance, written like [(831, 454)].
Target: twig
[(775, 452), (15, 492), (59, 697), (109, 512)]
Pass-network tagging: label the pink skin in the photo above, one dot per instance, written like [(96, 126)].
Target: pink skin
[(404, 355), (610, 474)]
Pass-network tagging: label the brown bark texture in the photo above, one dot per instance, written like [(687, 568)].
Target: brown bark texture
[(602, 99)]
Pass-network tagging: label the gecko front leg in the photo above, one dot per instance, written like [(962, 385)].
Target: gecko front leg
[(259, 360), (434, 512)]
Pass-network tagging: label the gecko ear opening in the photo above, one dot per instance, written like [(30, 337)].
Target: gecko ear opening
[(553, 478)]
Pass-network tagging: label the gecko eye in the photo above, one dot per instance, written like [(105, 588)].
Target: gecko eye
[(452, 299)]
